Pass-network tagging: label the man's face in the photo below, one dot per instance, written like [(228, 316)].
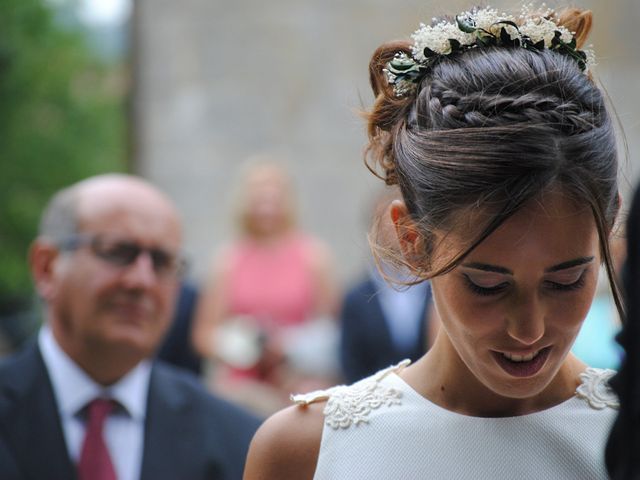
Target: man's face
[(99, 308)]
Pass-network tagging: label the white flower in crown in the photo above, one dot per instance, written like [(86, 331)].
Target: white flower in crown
[(437, 39), (489, 20), (538, 29), (536, 24)]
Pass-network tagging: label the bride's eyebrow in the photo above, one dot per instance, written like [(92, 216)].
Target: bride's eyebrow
[(571, 263), (485, 267)]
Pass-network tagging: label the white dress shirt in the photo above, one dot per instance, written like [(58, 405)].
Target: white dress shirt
[(73, 389), (403, 309)]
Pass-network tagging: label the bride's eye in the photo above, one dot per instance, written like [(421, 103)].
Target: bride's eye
[(484, 287), (568, 282)]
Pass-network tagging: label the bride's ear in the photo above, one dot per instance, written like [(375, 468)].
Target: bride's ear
[(409, 238)]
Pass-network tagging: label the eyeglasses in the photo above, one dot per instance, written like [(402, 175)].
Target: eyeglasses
[(123, 253)]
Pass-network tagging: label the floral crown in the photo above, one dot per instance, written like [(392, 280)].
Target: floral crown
[(482, 27)]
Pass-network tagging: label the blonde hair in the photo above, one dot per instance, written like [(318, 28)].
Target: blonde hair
[(263, 169)]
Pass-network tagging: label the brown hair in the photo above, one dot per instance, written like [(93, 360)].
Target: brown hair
[(487, 131)]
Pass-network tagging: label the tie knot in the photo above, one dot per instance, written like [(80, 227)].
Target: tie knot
[(100, 408)]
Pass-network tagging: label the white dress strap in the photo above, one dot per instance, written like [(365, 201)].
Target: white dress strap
[(351, 405)]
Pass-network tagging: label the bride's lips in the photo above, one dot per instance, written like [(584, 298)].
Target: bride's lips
[(523, 368)]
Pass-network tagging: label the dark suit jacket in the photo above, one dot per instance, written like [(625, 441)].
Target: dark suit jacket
[(176, 348), (366, 345), (189, 435)]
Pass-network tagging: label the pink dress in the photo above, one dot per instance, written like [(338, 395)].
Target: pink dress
[(273, 284)]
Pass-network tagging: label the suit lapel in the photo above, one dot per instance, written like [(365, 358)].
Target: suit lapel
[(29, 419), (161, 427), (379, 327), (174, 439)]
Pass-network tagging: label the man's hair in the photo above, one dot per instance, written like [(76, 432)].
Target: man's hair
[(59, 218)]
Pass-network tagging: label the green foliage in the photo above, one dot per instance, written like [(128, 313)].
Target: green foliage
[(61, 119)]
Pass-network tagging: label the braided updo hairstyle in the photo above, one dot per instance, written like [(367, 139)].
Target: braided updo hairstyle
[(488, 130)]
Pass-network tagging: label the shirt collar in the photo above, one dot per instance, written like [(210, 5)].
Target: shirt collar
[(73, 388)]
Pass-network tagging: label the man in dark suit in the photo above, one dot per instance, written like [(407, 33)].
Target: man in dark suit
[(87, 400), (381, 326)]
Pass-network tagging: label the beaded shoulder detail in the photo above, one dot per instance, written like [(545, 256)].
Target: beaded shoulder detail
[(595, 388), (352, 404)]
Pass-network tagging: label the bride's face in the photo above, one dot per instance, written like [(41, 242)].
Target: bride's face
[(514, 306)]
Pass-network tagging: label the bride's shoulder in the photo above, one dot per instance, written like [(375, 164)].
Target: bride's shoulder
[(287, 444)]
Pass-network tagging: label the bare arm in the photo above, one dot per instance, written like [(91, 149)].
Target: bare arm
[(328, 292), (287, 445)]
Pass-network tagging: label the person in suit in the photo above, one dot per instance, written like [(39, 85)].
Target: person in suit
[(87, 400), (380, 326)]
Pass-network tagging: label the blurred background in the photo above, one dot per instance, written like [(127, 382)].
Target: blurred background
[(186, 93)]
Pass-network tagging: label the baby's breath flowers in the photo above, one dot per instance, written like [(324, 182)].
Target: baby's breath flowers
[(481, 27)]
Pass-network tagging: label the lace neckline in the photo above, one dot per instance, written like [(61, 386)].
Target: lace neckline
[(352, 405)]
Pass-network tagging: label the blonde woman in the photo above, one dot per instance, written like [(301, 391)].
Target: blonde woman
[(271, 281)]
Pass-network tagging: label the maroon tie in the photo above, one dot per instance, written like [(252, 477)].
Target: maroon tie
[(95, 462)]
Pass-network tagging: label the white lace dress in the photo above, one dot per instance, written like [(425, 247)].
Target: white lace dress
[(380, 428)]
